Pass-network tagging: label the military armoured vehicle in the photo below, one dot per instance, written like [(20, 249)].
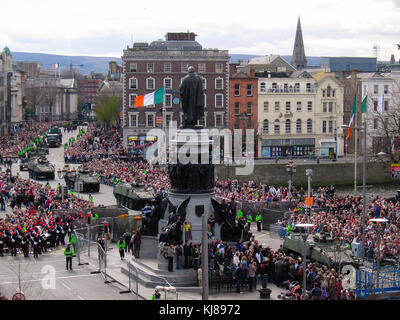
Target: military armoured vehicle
[(89, 180), (41, 169), (23, 165), (133, 196), (54, 140)]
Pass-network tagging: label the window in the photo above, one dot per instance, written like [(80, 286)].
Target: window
[(202, 121), (168, 83), (262, 87), (219, 83), (150, 67), (133, 120), (376, 91), (287, 105), (132, 97), (201, 67), (277, 106), (328, 91), (204, 81), (324, 106), (308, 87), (237, 108), (150, 83), (323, 93), (167, 67), (266, 106), (324, 126), (274, 86), (237, 90), (168, 100), (309, 126), (298, 106), (330, 126), (133, 83), (309, 106), (333, 93), (205, 100), (150, 120), (385, 105), (330, 109), (249, 90), (297, 87), (385, 89), (133, 67), (298, 126), (219, 67), (168, 118), (287, 126), (265, 126), (249, 108), (184, 67), (277, 127), (219, 100), (218, 120), (375, 123), (375, 105)]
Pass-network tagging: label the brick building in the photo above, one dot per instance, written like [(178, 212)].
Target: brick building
[(87, 88), (164, 63), (243, 102)]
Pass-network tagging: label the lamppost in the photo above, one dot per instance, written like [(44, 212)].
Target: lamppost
[(290, 168), (379, 230), (305, 227), (365, 200), (8, 161), (309, 175)]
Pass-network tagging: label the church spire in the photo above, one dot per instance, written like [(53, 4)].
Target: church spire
[(299, 59)]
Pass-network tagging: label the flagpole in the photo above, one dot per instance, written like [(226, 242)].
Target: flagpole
[(355, 146)]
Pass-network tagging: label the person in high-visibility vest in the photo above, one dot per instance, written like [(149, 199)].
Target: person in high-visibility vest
[(249, 220), (156, 295), (121, 247), (72, 240), (69, 253), (259, 220), (289, 228), (240, 214)]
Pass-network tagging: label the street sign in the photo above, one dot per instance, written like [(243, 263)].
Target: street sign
[(395, 170), (306, 201)]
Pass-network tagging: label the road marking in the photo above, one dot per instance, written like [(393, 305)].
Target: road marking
[(66, 286), (80, 297), (36, 280)]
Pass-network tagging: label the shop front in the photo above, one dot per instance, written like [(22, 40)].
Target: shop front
[(276, 148), (328, 149)]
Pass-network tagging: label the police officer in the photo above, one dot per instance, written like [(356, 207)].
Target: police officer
[(249, 220), (121, 247), (259, 221), (69, 253), (72, 240)]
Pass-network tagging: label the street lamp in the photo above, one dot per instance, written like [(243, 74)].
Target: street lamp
[(309, 175), (305, 227), (8, 161), (379, 229), (290, 168)]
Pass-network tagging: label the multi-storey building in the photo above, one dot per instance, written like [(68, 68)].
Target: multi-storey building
[(299, 115), (243, 102), (87, 88), (164, 63)]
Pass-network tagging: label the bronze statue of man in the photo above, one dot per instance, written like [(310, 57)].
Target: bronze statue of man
[(191, 92)]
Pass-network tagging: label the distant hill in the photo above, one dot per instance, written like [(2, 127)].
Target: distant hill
[(100, 64)]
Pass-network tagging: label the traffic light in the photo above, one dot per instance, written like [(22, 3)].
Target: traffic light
[(89, 217), (105, 227)]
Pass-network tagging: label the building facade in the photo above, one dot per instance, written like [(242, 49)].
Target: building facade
[(164, 63), (299, 116)]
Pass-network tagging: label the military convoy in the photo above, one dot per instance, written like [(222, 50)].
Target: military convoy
[(89, 181), (133, 196), (41, 169), (23, 165)]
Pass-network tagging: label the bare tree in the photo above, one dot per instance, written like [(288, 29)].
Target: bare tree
[(33, 98)]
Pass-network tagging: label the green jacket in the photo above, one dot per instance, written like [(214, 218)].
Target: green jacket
[(121, 245), (240, 214), (70, 253), (259, 217), (72, 240), (249, 218)]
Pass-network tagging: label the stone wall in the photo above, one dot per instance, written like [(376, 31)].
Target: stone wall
[(338, 174)]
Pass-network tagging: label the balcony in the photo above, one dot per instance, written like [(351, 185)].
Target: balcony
[(286, 90)]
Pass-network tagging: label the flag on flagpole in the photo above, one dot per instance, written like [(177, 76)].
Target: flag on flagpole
[(353, 112), (364, 104), (55, 66), (150, 98), (380, 104)]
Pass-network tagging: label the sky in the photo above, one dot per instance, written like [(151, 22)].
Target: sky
[(105, 28)]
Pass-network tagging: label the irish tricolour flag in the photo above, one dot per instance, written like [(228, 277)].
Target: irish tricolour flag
[(150, 98), (353, 114)]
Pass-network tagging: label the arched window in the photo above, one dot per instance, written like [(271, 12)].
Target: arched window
[(298, 126), (287, 126), (265, 126), (309, 126), (277, 126), (328, 91)]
